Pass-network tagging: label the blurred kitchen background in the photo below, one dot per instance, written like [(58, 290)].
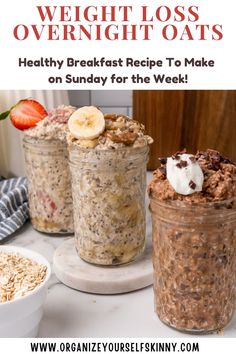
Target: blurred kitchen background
[(175, 119)]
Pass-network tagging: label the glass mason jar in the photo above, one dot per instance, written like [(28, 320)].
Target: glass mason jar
[(194, 264), (49, 185), (108, 188)]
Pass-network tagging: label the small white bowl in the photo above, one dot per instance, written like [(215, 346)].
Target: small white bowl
[(21, 317)]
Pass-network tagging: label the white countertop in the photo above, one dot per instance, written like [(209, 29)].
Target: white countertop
[(70, 313)]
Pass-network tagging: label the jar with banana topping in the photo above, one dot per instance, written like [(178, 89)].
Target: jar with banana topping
[(108, 190), (108, 187)]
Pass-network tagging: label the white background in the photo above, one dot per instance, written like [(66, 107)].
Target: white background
[(223, 76), (22, 346)]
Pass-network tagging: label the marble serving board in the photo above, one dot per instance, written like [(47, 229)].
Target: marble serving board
[(78, 274)]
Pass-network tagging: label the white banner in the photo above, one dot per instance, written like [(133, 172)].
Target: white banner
[(141, 44), (95, 345)]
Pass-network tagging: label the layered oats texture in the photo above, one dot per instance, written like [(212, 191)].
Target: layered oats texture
[(194, 241), (47, 168), (19, 276), (109, 182)]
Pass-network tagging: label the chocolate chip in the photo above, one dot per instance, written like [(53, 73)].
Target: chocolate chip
[(210, 166), (182, 164), (163, 160), (214, 158), (175, 157), (214, 165), (192, 185), (193, 159), (202, 155), (215, 155)]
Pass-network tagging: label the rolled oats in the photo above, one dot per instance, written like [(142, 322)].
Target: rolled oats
[(19, 275)]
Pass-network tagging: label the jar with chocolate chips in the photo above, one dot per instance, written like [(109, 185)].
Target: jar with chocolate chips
[(108, 157), (193, 206)]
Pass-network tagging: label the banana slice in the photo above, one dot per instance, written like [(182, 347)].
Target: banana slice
[(86, 123), (86, 143)]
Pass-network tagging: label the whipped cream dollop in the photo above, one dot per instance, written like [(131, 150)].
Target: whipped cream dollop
[(184, 174)]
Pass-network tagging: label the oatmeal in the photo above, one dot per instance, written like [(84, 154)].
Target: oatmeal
[(108, 186), (49, 185), (54, 126), (219, 180), (49, 182), (194, 241), (18, 276), (120, 132)]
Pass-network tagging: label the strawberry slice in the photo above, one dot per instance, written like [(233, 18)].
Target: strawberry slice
[(25, 114)]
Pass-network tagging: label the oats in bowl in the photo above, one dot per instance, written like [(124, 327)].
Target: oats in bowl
[(18, 276), (24, 279)]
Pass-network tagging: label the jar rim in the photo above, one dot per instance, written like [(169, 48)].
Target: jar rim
[(40, 142), (27, 139), (182, 203), (76, 147)]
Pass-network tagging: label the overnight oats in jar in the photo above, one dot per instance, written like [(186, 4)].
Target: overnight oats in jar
[(108, 157), (47, 168), (193, 206)]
